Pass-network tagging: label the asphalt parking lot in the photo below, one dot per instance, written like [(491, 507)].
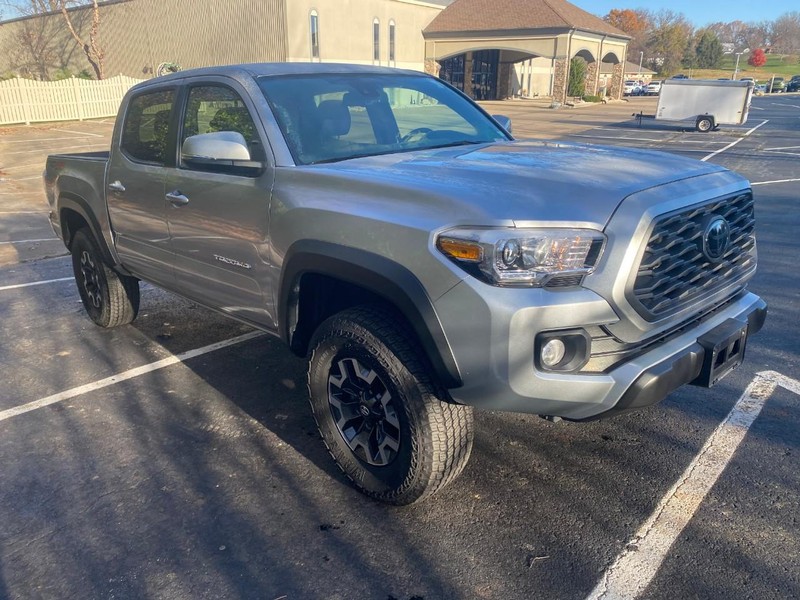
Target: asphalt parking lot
[(177, 458)]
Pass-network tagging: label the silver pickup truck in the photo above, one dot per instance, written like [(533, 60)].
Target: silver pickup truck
[(425, 261)]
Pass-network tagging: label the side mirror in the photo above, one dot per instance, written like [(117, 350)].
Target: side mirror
[(218, 150), (503, 121)]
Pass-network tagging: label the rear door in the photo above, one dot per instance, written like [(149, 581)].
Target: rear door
[(219, 216), (144, 150)]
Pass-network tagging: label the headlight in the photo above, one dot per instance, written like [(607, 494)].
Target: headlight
[(523, 257)]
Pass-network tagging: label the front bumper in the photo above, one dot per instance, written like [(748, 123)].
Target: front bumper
[(658, 381), (493, 344)]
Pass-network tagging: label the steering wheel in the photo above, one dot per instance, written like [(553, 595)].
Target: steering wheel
[(418, 132)]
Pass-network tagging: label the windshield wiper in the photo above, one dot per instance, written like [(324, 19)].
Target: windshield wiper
[(458, 143)]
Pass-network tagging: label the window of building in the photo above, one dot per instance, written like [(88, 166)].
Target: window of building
[(452, 71), (376, 41), (314, 31), (145, 134), (391, 43)]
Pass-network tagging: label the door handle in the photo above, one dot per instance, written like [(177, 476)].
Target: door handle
[(177, 199), (116, 186)]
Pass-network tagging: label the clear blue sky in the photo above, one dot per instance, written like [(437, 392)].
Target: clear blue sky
[(701, 12)]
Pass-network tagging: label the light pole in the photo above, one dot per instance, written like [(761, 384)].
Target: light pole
[(736, 68), (641, 58)]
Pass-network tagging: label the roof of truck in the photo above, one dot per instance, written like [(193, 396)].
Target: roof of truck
[(284, 68)]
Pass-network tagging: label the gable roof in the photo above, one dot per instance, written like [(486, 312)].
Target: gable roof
[(511, 15)]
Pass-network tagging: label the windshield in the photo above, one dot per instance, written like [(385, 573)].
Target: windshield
[(330, 117)]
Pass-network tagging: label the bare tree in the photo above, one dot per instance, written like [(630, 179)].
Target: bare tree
[(754, 35), (785, 33), (39, 35), (91, 48)]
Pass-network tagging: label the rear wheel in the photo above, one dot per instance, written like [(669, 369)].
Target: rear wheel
[(378, 412), (110, 299)]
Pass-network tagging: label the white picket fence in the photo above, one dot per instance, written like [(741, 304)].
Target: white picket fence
[(28, 101)]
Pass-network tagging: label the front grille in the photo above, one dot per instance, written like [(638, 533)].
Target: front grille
[(674, 271)]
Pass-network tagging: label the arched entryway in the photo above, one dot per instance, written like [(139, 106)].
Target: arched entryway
[(485, 73)]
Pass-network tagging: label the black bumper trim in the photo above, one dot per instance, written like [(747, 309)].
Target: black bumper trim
[(660, 380)]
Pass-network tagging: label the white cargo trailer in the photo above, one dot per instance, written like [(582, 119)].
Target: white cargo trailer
[(709, 103)]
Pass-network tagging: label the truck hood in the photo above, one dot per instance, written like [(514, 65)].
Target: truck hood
[(526, 182)]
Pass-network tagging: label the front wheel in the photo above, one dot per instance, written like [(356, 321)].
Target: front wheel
[(379, 413), (110, 299)]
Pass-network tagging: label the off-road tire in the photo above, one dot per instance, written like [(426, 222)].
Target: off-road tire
[(110, 299), (435, 436)]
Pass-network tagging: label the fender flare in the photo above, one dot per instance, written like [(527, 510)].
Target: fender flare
[(379, 275), (68, 201)]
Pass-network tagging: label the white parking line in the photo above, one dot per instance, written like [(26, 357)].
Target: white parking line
[(776, 181), (30, 241), (31, 284), (613, 137), (36, 164), (638, 564), (34, 141), (53, 150), (782, 104), (80, 132), (732, 144), (124, 376)]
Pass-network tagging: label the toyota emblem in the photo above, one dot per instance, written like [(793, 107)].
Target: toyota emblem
[(716, 239)]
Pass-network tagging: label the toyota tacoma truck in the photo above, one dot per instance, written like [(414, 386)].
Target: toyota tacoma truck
[(425, 261)]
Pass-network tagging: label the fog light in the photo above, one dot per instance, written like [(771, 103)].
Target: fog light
[(553, 352)]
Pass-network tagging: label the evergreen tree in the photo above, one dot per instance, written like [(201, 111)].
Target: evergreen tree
[(709, 50)]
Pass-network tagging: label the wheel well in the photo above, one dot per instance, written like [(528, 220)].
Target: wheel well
[(317, 297), (71, 222)]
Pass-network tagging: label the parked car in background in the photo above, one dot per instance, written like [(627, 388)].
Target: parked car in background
[(680, 76), (631, 88), (794, 84), (777, 85), (760, 89), (653, 88), (747, 79)]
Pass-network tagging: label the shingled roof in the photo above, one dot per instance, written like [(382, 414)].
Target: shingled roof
[(512, 15)]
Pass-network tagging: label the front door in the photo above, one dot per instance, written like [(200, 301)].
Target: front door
[(219, 217)]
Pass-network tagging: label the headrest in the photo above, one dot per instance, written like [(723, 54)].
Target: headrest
[(334, 118)]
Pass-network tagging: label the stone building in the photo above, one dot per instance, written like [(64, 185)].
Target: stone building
[(494, 49)]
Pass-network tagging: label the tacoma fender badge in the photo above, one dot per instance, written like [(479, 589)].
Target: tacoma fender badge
[(230, 261)]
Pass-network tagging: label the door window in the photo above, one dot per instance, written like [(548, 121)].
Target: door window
[(215, 108), (145, 134)]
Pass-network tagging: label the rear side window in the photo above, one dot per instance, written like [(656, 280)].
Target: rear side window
[(145, 132)]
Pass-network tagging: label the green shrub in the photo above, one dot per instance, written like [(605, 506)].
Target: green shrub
[(592, 98)]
